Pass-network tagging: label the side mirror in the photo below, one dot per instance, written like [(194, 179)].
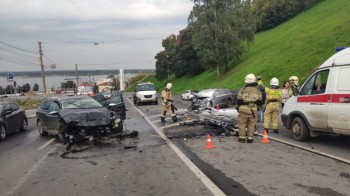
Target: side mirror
[(112, 104), (7, 112)]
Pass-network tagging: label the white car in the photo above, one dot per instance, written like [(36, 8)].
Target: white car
[(188, 95), (145, 92)]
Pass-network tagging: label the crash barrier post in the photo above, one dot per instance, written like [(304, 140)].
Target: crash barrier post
[(210, 144), (217, 106), (265, 138)]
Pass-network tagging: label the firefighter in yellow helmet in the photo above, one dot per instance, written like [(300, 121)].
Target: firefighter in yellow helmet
[(273, 102), (294, 82), (167, 101), (249, 101)]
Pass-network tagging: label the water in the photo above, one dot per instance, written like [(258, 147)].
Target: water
[(53, 81)]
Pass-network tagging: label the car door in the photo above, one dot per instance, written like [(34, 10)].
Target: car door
[(313, 101), (17, 116), (9, 118), (119, 107), (52, 116)]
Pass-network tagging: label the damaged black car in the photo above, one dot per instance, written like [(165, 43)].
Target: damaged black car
[(75, 119)]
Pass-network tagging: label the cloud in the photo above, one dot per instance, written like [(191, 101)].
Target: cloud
[(127, 30)]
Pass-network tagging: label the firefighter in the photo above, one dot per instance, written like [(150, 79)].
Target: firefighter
[(167, 104), (249, 101), (273, 102), (294, 81)]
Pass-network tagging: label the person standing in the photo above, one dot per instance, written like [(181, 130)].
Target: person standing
[(263, 94), (249, 101), (294, 82), (286, 92), (273, 100), (167, 101)]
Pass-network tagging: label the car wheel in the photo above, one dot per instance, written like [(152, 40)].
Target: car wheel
[(138, 102), (300, 130), (118, 129), (3, 132), (41, 130), (134, 101), (156, 102), (24, 125)]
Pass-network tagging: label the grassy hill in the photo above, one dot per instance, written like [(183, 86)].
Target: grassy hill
[(296, 47)]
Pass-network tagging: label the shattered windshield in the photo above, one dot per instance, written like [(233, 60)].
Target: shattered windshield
[(206, 93), (146, 87), (80, 103)]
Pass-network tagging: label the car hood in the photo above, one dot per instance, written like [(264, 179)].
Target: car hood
[(86, 117), (146, 92)]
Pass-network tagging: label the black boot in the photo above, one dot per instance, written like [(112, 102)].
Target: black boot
[(242, 140), (162, 119), (174, 119), (250, 140), (275, 130)]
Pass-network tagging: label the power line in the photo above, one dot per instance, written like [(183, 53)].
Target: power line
[(17, 59), (13, 52), (18, 48), (13, 61)]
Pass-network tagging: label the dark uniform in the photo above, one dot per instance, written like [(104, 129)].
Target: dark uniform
[(249, 101)]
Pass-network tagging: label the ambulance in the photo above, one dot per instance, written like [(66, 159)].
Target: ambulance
[(322, 103)]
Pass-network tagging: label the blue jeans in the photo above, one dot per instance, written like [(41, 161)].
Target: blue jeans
[(261, 114)]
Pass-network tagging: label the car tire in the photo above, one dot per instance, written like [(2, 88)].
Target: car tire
[(24, 125), (138, 102), (300, 130), (156, 102), (119, 129), (3, 132), (41, 130)]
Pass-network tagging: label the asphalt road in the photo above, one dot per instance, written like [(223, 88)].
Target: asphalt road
[(150, 165)]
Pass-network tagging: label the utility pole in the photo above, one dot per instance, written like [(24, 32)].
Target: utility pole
[(76, 73), (42, 69)]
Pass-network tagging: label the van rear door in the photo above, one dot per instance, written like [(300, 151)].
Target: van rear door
[(340, 101), (313, 100)]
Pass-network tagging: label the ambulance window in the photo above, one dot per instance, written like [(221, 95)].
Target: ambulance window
[(343, 79), (316, 84)]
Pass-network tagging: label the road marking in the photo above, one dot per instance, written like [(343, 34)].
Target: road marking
[(154, 116), (46, 144), (200, 175), (309, 149)]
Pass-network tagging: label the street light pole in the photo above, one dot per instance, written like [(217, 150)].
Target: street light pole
[(42, 69)]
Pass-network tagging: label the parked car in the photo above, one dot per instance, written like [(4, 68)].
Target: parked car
[(116, 104), (188, 95), (77, 118), (99, 97), (211, 97), (12, 118), (145, 92)]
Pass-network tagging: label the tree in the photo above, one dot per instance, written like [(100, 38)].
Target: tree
[(26, 87), (161, 66), (220, 29), (36, 87)]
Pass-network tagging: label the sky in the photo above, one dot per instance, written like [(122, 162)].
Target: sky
[(94, 34)]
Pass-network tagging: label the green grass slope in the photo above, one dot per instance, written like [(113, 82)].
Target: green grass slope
[(296, 47)]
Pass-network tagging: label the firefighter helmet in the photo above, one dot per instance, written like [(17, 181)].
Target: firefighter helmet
[(169, 85), (274, 82), (250, 78), (294, 80)]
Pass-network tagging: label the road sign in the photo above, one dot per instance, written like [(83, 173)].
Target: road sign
[(10, 77)]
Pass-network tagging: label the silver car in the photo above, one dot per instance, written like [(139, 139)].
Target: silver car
[(213, 97)]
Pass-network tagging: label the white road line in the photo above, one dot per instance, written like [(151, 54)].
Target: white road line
[(46, 144), (154, 116), (200, 175), (308, 149)]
